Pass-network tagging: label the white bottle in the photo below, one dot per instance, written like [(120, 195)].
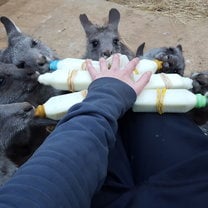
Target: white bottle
[(74, 80), (70, 64), (168, 101), (169, 81), (148, 65), (56, 107), (160, 100), (77, 80)]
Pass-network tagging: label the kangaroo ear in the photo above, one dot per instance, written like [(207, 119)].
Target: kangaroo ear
[(140, 50), (9, 26), (179, 46), (114, 17), (86, 24)]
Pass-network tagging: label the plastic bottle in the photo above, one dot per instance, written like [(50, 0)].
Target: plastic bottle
[(57, 106), (169, 81), (168, 101), (157, 100), (148, 65), (70, 64), (77, 80)]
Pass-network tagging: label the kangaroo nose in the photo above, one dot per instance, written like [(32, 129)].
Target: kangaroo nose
[(32, 74), (41, 60), (27, 107), (107, 53)]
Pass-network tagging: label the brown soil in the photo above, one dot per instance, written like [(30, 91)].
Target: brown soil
[(155, 22)]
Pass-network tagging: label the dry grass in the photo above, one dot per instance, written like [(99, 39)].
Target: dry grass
[(181, 9)]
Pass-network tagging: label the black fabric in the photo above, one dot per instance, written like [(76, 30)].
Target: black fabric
[(164, 152)]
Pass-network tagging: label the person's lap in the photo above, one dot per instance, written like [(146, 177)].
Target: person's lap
[(151, 143)]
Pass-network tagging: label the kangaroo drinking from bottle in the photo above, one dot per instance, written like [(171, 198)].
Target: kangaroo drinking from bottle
[(21, 85), (25, 51), (172, 58)]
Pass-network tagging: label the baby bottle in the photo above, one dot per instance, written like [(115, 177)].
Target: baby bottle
[(168, 101), (77, 80)]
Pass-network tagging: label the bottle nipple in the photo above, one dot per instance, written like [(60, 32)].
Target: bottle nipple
[(40, 111), (201, 101), (159, 64), (53, 65)]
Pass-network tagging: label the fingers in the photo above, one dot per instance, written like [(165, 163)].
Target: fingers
[(91, 69), (115, 72), (115, 63), (103, 65), (142, 82), (130, 67)]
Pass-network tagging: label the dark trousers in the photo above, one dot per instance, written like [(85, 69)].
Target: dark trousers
[(158, 161)]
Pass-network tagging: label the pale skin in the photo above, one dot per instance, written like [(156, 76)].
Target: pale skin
[(123, 75)]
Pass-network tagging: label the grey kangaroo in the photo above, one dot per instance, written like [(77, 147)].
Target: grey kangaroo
[(25, 51), (20, 136), (103, 41), (200, 85), (172, 57), (21, 85), (7, 168)]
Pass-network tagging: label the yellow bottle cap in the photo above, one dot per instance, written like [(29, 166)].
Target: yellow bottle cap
[(40, 111), (159, 64)]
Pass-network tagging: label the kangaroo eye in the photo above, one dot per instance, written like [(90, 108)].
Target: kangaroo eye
[(115, 41), (2, 81), (21, 65), (34, 43), (95, 43)]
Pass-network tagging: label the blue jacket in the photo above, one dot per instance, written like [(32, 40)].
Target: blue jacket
[(71, 164)]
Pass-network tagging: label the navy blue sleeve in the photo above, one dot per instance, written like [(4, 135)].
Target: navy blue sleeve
[(72, 162)]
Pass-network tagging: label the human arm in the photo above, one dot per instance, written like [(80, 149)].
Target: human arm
[(72, 162)]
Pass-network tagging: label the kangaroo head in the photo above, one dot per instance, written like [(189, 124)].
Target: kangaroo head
[(103, 41), (25, 51), (172, 58), (20, 85), (21, 132), (200, 82)]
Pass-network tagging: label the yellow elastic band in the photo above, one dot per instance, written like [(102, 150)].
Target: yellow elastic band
[(84, 65), (159, 100), (84, 93), (136, 71), (166, 80), (70, 80)]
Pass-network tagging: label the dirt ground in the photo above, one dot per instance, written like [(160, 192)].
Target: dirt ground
[(57, 24)]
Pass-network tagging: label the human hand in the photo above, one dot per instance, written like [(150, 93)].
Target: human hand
[(115, 72)]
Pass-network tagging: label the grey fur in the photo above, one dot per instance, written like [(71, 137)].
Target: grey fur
[(21, 134), (103, 41), (200, 85), (25, 51), (20, 85), (14, 120), (7, 169), (172, 57)]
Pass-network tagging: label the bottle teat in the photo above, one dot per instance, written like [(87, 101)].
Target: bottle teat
[(159, 64), (202, 101), (53, 65), (40, 111)]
